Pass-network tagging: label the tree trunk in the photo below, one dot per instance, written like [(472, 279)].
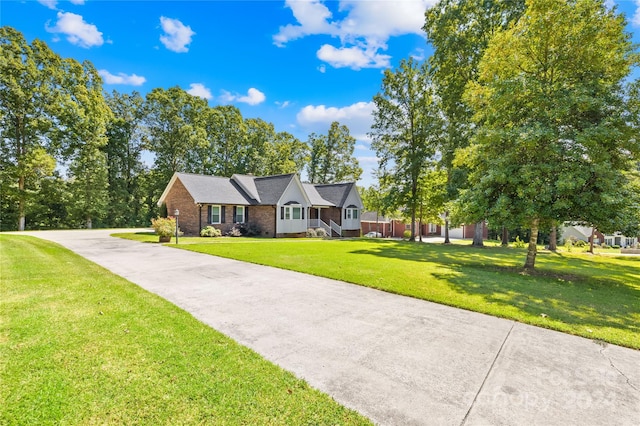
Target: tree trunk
[(553, 238), (21, 204), (478, 234), (505, 236), (533, 246), (593, 235), (420, 225), (446, 228), (88, 223)]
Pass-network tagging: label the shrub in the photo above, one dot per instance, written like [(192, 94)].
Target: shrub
[(320, 232), (311, 233), (234, 232), (580, 243), (210, 231), (164, 226), (615, 246), (407, 234), (518, 243)]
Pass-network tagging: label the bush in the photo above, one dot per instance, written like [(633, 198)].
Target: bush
[(615, 246), (518, 243), (580, 243), (234, 232), (311, 233), (407, 234), (320, 232), (244, 230), (210, 231), (164, 226)]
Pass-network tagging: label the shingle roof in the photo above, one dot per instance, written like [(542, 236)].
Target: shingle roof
[(247, 183), (271, 188), (337, 193), (371, 217), (315, 197), (213, 189)]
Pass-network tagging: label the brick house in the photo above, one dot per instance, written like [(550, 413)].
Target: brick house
[(277, 206)]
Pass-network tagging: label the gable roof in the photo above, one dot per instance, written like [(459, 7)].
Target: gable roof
[(336, 193), (254, 190), (314, 196), (247, 183), (271, 188)]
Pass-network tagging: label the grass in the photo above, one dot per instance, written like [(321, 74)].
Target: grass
[(597, 297), (79, 345)]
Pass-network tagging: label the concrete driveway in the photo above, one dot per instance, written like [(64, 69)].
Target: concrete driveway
[(397, 360)]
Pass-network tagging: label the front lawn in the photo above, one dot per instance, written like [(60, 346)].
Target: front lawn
[(592, 296), (79, 345)]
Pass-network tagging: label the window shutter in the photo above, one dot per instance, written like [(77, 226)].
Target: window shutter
[(303, 209), (246, 214), (208, 214), (222, 215), (345, 213), (282, 212), (234, 214)]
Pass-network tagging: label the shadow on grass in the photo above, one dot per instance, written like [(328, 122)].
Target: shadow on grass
[(571, 290)]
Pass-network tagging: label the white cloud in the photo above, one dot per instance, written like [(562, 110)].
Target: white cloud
[(354, 57), (122, 78), (635, 20), (322, 68), (78, 32), (199, 90), (363, 30), (77, 2), (253, 97), (177, 36), (283, 104), (312, 17), (357, 117), (51, 4)]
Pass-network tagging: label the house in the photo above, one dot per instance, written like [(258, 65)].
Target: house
[(275, 206), (578, 232)]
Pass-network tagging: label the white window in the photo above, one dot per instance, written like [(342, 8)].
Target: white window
[(239, 217), (350, 213), (215, 214), (292, 213)]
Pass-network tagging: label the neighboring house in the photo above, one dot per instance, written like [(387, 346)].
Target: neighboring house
[(277, 206), (375, 222), (583, 233)]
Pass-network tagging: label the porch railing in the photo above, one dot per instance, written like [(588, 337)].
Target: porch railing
[(319, 223), (336, 228)]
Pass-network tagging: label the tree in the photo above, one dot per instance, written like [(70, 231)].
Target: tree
[(175, 121), (553, 142), (331, 156), (406, 133), (29, 84), (83, 118), (123, 157), (227, 142), (459, 32), (286, 154)]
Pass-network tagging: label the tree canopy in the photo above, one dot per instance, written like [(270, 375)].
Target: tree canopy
[(552, 141)]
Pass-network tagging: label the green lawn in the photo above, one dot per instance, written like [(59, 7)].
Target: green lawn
[(592, 296), (79, 345)]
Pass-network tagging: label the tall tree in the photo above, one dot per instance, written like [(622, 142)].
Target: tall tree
[(287, 154), (331, 156), (175, 121), (124, 160), (406, 133), (84, 118), (459, 32), (30, 78), (227, 141), (553, 142)]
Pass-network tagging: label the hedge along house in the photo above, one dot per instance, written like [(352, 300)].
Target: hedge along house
[(276, 206)]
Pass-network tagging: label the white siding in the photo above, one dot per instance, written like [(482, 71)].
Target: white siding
[(292, 226)]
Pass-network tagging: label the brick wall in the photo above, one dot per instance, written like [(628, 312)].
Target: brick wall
[(261, 216), (179, 198)]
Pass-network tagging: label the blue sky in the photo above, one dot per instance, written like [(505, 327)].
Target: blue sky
[(299, 64)]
